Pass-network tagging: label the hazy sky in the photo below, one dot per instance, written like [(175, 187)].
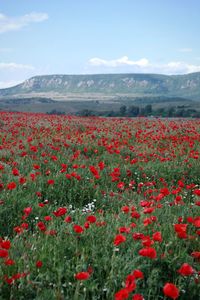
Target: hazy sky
[(97, 36)]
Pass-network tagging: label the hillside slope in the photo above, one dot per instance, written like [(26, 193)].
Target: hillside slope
[(187, 86)]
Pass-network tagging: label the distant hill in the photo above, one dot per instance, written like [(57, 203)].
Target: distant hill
[(53, 86)]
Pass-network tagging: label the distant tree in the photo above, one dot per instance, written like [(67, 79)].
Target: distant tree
[(148, 109), (170, 112), (160, 112), (56, 112), (133, 111), (111, 114), (86, 113), (122, 110), (180, 113)]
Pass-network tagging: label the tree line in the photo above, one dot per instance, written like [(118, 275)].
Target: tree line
[(147, 110)]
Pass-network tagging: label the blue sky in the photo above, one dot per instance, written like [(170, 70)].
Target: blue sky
[(106, 36)]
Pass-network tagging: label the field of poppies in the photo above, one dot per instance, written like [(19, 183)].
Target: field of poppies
[(99, 208)]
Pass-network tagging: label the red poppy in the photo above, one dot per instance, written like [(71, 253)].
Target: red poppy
[(27, 211), (47, 218), (60, 211), (22, 180), (186, 270), (196, 222), (135, 215), (157, 237), (41, 226), (138, 274), (119, 239), (148, 252), (196, 254), (138, 297), (125, 209), (5, 244), (15, 172), (181, 230), (138, 236), (24, 225), (94, 171), (121, 185), (130, 284), (50, 182), (91, 219), (146, 241), (9, 262), (124, 229), (39, 264), (122, 294), (171, 291), (196, 192), (11, 186), (82, 275), (86, 225), (3, 253), (68, 219), (78, 228)]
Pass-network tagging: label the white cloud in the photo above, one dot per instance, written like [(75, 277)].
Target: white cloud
[(118, 62), (13, 66), (178, 67), (124, 64), (6, 84), (16, 23), (185, 50)]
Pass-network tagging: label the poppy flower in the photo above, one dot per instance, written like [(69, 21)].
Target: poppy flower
[(121, 185), (68, 219), (196, 254), (119, 239), (171, 291), (39, 264), (3, 253), (146, 241), (125, 209), (148, 252), (60, 212), (196, 222), (11, 186), (138, 297), (47, 218), (94, 171), (130, 284), (78, 228), (186, 270), (196, 192), (15, 172), (157, 237), (122, 294), (138, 274), (41, 226), (91, 219), (82, 275), (27, 211), (9, 262), (5, 244), (50, 182), (181, 230)]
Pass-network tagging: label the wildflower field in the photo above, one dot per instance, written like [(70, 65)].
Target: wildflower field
[(99, 208)]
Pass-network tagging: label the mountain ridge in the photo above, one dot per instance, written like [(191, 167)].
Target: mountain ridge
[(186, 85)]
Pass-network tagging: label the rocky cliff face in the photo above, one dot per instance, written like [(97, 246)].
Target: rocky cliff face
[(179, 85)]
